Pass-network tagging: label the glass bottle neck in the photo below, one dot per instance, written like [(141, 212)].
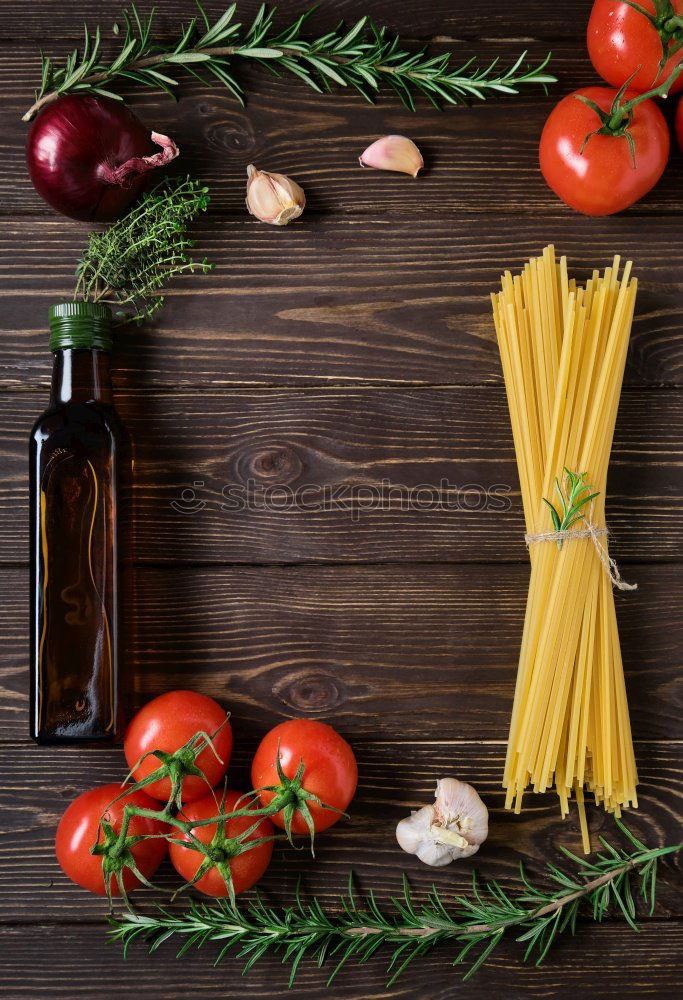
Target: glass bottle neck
[(80, 376)]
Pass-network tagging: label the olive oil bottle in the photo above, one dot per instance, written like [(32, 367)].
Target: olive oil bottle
[(78, 451)]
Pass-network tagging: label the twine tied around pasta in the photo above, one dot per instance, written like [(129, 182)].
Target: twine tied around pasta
[(574, 494), (595, 534)]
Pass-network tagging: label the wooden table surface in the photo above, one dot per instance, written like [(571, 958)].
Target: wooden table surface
[(351, 348)]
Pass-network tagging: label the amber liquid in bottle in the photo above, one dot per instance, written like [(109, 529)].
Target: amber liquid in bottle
[(76, 449)]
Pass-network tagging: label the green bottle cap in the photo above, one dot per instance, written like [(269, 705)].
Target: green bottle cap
[(84, 325)]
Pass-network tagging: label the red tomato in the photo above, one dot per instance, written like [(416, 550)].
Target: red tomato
[(330, 770), (246, 869), (679, 124), (167, 723), (622, 40), (602, 179), (78, 831)]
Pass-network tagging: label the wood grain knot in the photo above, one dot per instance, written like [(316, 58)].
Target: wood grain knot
[(311, 692), (230, 136), (276, 464)]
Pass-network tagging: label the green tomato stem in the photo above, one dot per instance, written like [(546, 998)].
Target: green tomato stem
[(623, 110)]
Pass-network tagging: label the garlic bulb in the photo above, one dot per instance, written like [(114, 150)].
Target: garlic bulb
[(273, 198), (454, 827), (393, 152)]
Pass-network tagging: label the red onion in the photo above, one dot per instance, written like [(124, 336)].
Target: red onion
[(89, 157)]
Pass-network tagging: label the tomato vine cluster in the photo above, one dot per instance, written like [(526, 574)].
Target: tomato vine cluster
[(113, 838), (604, 148)]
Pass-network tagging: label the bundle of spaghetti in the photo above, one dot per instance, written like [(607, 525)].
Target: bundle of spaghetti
[(563, 350)]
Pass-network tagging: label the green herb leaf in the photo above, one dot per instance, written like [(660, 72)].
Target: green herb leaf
[(188, 57)]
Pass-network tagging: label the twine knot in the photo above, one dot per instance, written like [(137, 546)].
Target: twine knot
[(595, 534)]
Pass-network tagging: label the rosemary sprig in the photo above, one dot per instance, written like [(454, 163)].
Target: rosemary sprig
[(363, 57), (127, 264), (476, 923), (571, 501)]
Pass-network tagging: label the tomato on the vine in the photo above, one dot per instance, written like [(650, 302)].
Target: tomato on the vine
[(230, 856), (169, 723), (598, 173), (78, 831), (636, 40), (306, 766), (679, 124)]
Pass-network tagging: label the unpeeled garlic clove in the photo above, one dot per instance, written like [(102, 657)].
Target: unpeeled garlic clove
[(453, 827), (393, 152), (273, 198)]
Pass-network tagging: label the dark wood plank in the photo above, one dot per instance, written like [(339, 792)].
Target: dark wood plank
[(48, 961), (610, 955), (317, 139), (338, 301), (416, 652), (528, 18), (38, 784), (472, 154), (456, 440)]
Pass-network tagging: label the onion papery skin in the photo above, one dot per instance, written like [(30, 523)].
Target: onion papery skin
[(75, 148)]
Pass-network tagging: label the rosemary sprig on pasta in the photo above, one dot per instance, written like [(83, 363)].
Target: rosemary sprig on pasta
[(571, 502)]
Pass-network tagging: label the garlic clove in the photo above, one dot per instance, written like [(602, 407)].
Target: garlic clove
[(416, 835), (273, 198), (458, 805), (453, 827), (393, 152), (411, 831)]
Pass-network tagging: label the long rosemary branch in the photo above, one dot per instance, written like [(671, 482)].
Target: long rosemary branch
[(363, 57), (361, 927)]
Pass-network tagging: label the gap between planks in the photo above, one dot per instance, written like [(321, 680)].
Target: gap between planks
[(346, 214), (20, 745), (189, 390)]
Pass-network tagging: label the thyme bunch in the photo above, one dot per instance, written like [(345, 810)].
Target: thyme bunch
[(127, 264), (363, 57), (475, 924)]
